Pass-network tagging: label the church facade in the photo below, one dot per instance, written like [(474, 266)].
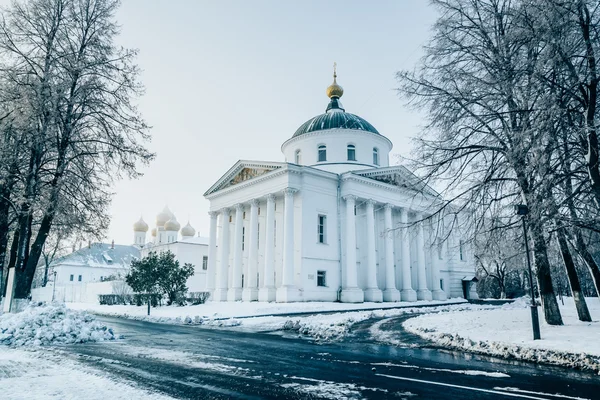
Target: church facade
[(334, 222)]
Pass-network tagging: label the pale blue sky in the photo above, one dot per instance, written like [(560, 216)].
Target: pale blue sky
[(230, 80)]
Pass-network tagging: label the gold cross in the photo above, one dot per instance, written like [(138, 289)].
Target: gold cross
[(334, 69)]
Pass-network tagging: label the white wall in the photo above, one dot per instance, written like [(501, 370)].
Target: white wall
[(336, 141), (73, 293)]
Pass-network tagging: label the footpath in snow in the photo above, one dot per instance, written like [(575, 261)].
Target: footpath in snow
[(331, 321), (239, 309), (506, 332)]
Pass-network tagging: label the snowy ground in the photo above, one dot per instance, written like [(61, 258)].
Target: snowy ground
[(221, 310), (45, 375), (506, 331)]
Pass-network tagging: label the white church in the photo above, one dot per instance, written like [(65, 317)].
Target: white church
[(334, 222), (168, 235)]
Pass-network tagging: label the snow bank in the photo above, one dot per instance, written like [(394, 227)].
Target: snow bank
[(48, 324), (506, 332)]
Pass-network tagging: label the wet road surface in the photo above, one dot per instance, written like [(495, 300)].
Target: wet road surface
[(201, 363)]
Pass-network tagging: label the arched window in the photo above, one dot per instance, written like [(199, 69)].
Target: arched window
[(351, 152), (322, 153), (375, 156), (298, 157)]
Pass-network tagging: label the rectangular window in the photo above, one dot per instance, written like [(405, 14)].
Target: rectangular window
[(322, 154), (71, 277), (321, 278), (442, 284), (204, 263), (258, 236), (243, 237), (321, 228), (461, 250), (439, 250), (274, 233), (351, 153), (79, 278)]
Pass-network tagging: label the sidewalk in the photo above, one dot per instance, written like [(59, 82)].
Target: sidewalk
[(217, 311)]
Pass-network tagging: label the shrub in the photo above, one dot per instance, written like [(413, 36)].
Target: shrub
[(196, 298)]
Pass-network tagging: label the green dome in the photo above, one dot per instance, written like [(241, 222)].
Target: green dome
[(338, 119)]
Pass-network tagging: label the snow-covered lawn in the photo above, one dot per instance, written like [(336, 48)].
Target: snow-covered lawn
[(506, 331), (222, 310), (45, 375)]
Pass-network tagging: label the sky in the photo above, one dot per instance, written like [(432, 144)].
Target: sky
[(230, 80)]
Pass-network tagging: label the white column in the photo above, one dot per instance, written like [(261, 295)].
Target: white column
[(267, 291), (436, 291), (422, 292), (351, 293), (390, 293), (287, 291), (372, 293), (235, 291), (212, 253), (250, 292), (408, 293), (223, 267)]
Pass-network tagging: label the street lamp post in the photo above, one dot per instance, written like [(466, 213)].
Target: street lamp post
[(522, 210), (53, 285)]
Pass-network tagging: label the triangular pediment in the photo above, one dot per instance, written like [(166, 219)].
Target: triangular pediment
[(399, 176), (243, 171)]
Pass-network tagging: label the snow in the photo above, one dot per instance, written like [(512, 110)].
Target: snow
[(506, 331), (44, 375), (46, 324), (229, 314), (315, 388), (242, 309)]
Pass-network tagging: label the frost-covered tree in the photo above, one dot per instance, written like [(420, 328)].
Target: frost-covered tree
[(73, 92)]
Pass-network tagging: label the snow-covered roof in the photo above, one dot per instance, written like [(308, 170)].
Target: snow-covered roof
[(101, 255)]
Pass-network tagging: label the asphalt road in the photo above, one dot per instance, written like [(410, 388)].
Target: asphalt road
[(200, 363)]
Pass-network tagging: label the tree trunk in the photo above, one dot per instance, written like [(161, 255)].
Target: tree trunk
[(580, 304), (544, 279), (583, 251), (26, 277)]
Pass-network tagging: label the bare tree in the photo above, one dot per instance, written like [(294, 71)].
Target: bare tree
[(486, 139), (82, 129)]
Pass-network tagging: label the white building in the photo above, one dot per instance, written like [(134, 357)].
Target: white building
[(333, 222), (93, 263), (168, 235)]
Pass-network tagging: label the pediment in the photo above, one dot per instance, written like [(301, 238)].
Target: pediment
[(243, 171), (398, 176)]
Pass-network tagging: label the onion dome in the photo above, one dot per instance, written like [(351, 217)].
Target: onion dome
[(164, 216), (172, 225), (334, 90), (188, 230), (153, 232), (140, 226)]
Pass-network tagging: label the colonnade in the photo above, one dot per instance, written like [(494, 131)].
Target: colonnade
[(218, 272), (352, 293), (224, 290)]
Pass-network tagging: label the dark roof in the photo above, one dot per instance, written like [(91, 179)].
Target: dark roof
[(337, 119), (101, 255)]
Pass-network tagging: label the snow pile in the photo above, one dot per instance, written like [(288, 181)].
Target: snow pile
[(48, 324), (506, 332)]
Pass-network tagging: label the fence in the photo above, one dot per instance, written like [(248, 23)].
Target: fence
[(73, 293)]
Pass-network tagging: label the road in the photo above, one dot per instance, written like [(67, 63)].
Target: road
[(201, 363)]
